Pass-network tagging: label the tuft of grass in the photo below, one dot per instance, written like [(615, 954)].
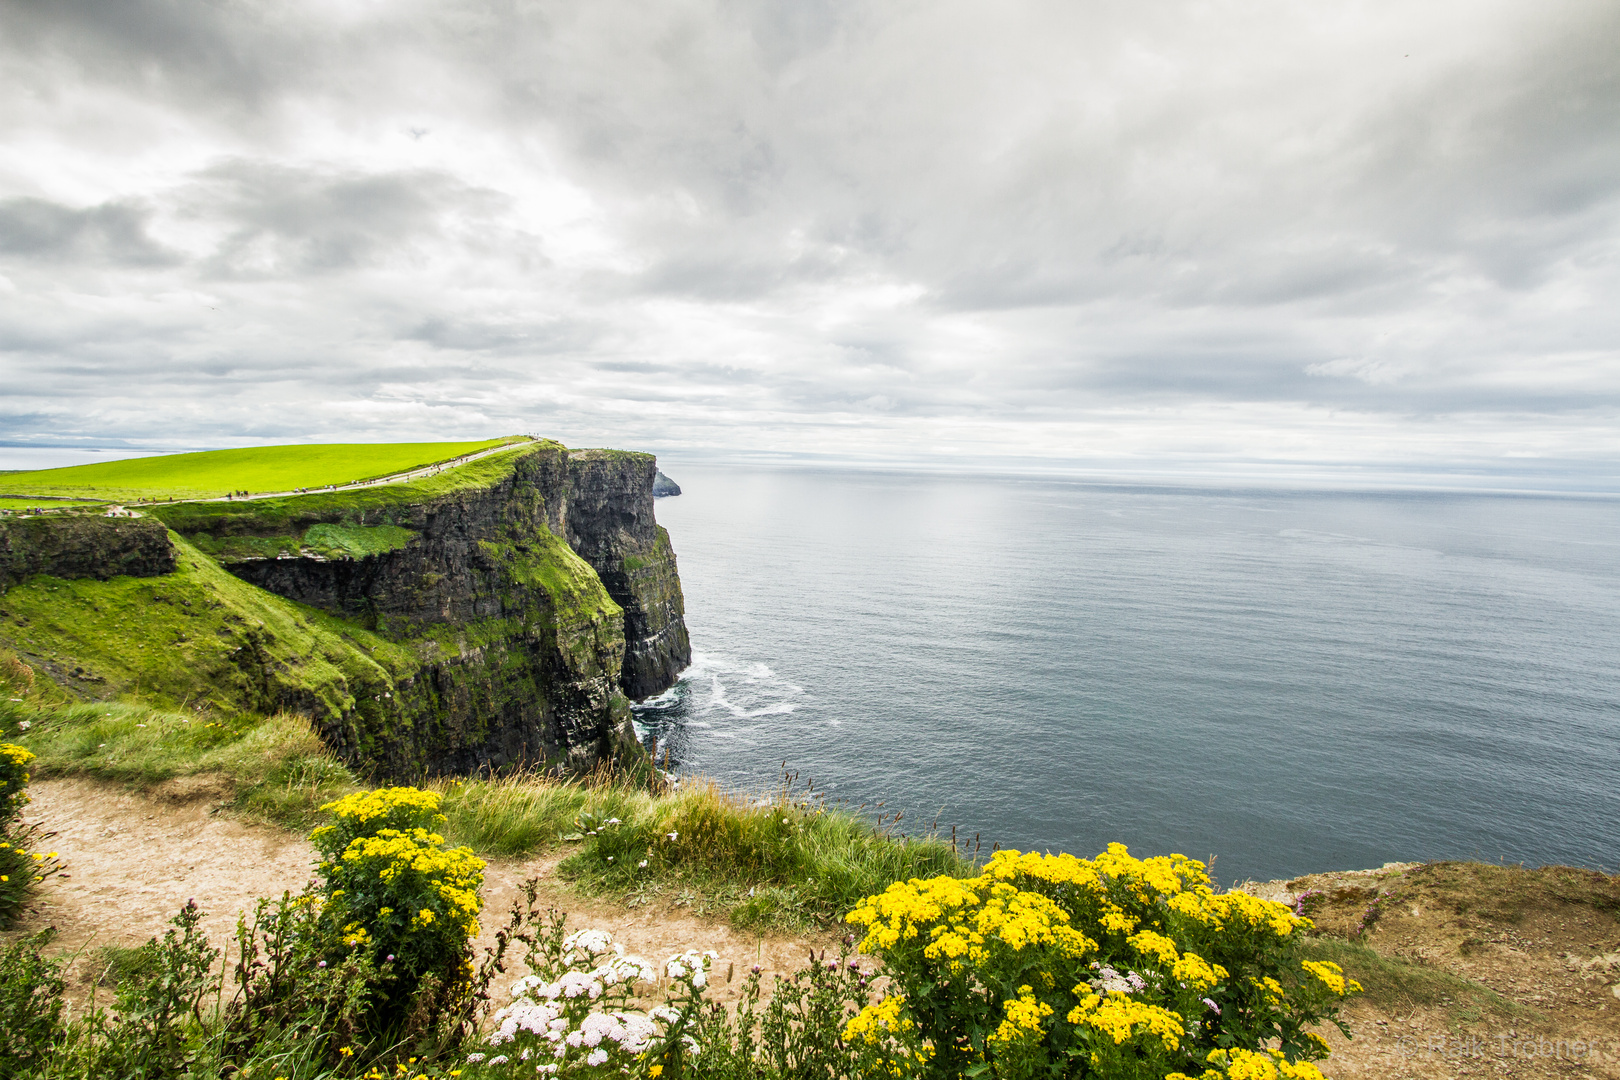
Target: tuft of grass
[(117, 965), (272, 768), (518, 814), (1394, 984), (776, 862), (213, 473)]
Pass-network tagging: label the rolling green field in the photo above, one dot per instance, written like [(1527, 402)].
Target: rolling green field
[(215, 473)]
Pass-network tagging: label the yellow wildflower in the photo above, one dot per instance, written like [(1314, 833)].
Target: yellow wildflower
[(1121, 1017), (1332, 976), (1024, 1016), (877, 1021), (1197, 972), (1155, 945)]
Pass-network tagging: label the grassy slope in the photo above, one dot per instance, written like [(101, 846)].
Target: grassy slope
[(216, 472), (179, 640), (362, 519), (175, 640)]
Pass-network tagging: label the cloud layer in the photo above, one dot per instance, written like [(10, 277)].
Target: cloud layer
[(1177, 237)]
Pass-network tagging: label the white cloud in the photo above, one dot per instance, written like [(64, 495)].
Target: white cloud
[(1184, 236)]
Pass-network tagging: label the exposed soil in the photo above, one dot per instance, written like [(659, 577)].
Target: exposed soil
[(133, 859), (1546, 942), (1540, 948)]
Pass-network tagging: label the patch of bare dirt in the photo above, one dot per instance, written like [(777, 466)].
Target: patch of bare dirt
[(1545, 943), (133, 859)]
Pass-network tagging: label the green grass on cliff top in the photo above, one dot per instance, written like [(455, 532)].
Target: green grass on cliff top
[(214, 473)]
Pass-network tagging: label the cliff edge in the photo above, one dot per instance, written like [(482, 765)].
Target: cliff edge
[(504, 612)]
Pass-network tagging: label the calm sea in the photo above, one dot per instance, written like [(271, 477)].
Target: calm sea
[(1290, 681)]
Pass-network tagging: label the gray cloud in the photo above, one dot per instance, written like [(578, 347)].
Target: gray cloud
[(287, 222), (111, 233), (819, 226)]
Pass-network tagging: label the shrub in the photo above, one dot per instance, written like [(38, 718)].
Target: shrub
[(30, 1006), (1113, 967), (394, 890), (159, 1021), (14, 761), (22, 864)]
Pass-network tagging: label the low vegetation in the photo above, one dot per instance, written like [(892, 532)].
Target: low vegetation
[(217, 473), (370, 973), (1399, 986), (24, 864), (196, 637), (781, 860)]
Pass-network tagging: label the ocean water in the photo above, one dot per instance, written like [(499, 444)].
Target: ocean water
[(1291, 682)]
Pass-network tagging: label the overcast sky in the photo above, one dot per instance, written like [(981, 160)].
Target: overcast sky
[(1359, 237)]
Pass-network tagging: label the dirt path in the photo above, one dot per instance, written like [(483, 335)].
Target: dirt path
[(134, 858)]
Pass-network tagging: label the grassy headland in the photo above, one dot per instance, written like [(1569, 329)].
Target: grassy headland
[(215, 473)]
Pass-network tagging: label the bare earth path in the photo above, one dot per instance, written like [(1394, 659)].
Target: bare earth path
[(133, 859)]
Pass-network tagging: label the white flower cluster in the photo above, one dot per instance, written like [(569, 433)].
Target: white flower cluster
[(1109, 981), (573, 1016), (691, 964)]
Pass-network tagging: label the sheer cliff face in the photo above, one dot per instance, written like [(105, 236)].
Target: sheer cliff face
[(610, 524), (534, 604)]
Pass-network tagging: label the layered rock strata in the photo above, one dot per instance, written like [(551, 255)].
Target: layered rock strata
[(499, 614), (73, 546)]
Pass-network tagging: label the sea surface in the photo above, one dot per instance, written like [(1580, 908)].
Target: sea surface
[(1290, 682)]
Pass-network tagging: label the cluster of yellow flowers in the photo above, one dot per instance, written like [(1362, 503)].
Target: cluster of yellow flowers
[(961, 917), (14, 779), (1239, 1064), (1130, 930), (877, 1021), (454, 874), (1122, 1018), (1332, 976), (392, 807), (1023, 1020)]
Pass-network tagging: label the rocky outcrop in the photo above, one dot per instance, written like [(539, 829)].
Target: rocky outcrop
[(534, 599), (610, 524), (663, 486), (82, 546)]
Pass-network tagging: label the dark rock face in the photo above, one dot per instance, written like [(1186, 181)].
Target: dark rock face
[(611, 525), (535, 603), (663, 486), (83, 546)]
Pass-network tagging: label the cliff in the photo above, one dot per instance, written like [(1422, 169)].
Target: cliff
[(78, 546), (631, 554), (498, 613)]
